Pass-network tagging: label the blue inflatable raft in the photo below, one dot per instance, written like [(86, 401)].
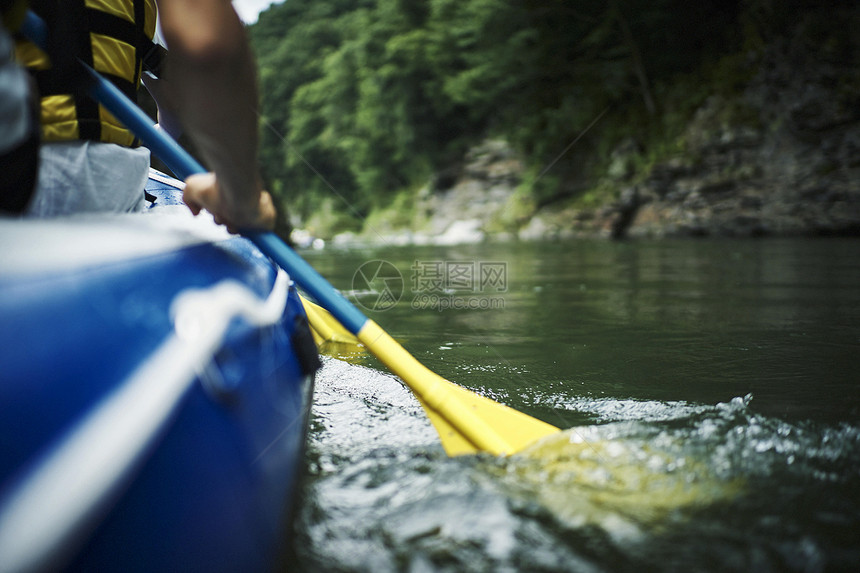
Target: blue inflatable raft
[(156, 376)]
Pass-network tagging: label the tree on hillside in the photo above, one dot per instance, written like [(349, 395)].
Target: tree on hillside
[(377, 94)]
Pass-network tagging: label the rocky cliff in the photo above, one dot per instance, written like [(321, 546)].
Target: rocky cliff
[(778, 156), (782, 159)]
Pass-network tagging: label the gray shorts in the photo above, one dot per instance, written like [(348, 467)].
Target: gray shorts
[(87, 177)]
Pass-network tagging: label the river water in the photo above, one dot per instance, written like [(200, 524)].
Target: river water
[(707, 392)]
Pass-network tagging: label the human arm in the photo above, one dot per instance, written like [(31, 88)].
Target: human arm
[(212, 85)]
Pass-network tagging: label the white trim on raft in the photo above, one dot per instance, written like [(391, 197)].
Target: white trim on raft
[(46, 517), (32, 246), (157, 175)]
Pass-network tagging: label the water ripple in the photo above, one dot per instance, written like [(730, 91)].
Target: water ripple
[(651, 484)]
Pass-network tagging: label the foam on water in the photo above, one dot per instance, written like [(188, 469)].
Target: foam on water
[(651, 483)]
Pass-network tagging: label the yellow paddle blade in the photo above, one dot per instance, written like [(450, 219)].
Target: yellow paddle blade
[(325, 327), (467, 422), (591, 476)]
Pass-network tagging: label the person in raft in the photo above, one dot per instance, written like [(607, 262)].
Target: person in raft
[(89, 162)]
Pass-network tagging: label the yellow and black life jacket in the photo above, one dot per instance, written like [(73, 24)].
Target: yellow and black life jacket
[(113, 37)]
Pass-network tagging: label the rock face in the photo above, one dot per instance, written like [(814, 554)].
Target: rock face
[(779, 156), (462, 202), (748, 183), (783, 160)]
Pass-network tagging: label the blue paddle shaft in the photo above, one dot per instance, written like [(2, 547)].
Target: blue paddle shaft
[(183, 164), (309, 279)]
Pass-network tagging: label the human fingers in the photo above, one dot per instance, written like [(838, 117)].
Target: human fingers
[(201, 192), (204, 192)]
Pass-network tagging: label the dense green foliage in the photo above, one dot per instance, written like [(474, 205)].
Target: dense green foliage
[(362, 98)]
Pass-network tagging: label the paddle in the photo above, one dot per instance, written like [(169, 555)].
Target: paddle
[(466, 422), (325, 327)]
